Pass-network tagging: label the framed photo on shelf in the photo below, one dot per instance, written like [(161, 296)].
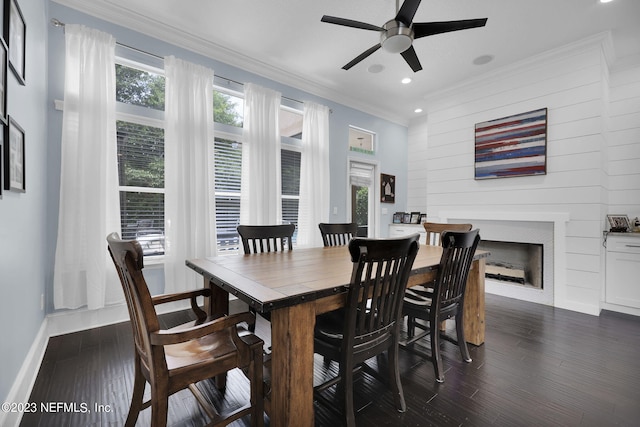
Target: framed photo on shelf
[(15, 35), (397, 217), (415, 218), (423, 218), (14, 157), (618, 223), (406, 218)]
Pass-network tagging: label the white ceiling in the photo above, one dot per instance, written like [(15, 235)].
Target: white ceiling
[(285, 41)]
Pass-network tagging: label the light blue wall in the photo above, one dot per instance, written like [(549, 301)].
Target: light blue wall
[(24, 257)]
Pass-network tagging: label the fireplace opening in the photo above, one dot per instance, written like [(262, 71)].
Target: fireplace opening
[(514, 263)]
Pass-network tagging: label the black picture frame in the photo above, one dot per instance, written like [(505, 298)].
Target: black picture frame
[(618, 223), (397, 217), (14, 157), (15, 35), (3, 81), (1, 160), (415, 217), (387, 188), (406, 218)]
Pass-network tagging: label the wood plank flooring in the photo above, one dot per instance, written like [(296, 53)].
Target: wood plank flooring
[(539, 366)]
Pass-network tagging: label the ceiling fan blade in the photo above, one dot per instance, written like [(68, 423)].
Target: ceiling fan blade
[(407, 11), (350, 23), (362, 56), (410, 56), (423, 29)]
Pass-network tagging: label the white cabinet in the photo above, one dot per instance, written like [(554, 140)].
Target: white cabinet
[(623, 270), (401, 230)]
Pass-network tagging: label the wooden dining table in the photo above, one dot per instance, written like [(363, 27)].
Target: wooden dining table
[(294, 287)]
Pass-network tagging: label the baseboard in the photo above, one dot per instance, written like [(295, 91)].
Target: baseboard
[(61, 323), (21, 388)]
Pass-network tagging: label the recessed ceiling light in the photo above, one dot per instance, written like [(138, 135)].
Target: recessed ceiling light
[(483, 59), (418, 110), (406, 80), (375, 68), (605, 1)]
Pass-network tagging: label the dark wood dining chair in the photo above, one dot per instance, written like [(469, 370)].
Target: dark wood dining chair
[(443, 299), (178, 358), (337, 234), (369, 324), (266, 238), (434, 230)]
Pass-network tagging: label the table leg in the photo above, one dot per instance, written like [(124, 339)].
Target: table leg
[(292, 366), (474, 304), (217, 305)]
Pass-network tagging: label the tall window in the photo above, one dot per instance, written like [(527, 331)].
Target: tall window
[(140, 134), (229, 116)]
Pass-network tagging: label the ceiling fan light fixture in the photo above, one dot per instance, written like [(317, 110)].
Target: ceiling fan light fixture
[(397, 37)]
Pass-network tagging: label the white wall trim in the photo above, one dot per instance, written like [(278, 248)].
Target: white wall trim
[(21, 389)]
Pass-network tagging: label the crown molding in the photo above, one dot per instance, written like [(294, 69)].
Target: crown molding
[(602, 40), (127, 18)]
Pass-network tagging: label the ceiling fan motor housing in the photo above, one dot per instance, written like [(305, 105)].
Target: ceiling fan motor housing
[(397, 37)]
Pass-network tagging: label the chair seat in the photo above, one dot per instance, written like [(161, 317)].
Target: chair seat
[(209, 349)]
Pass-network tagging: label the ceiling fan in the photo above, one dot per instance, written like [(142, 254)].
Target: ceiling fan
[(397, 35)]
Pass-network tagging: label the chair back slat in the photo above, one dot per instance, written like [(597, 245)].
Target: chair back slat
[(376, 291), (266, 238), (338, 234), (457, 256), (434, 231)]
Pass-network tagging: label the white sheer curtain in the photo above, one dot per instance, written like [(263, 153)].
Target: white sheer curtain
[(261, 189), (189, 174), (89, 199), (314, 174)]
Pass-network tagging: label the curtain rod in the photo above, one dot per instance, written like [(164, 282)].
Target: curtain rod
[(59, 24)]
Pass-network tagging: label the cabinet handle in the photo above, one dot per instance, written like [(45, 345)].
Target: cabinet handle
[(633, 246)]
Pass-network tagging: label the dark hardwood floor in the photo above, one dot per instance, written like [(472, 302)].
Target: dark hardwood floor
[(539, 366)]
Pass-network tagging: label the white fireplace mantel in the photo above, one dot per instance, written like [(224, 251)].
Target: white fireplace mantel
[(559, 221)]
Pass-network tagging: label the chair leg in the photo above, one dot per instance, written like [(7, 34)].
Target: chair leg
[(159, 405), (394, 373), (411, 326), (347, 393), (462, 343), (436, 359), (139, 383)]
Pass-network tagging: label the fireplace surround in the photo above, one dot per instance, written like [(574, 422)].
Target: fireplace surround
[(540, 228)]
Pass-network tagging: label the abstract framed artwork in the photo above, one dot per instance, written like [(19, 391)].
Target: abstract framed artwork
[(512, 146), (14, 157)]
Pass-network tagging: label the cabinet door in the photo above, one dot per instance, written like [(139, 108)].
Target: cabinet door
[(623, 279)]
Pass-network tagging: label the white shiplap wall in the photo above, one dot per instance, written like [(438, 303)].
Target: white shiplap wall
[(572, 82)]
